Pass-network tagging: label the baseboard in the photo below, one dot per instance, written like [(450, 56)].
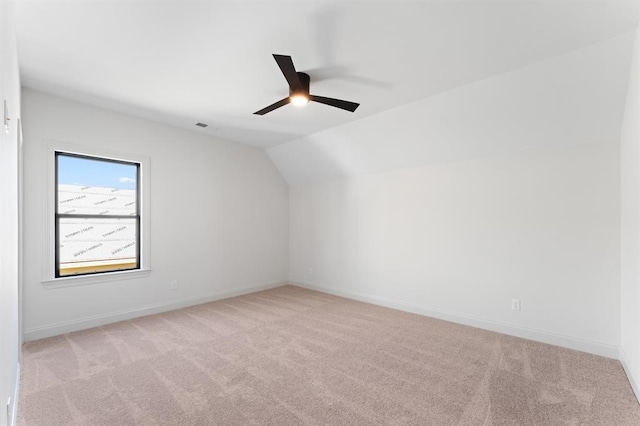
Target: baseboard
[(633, 378), (37, 333), (13, 420), (597, 348)]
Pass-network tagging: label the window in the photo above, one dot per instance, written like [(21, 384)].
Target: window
[(97, 215)]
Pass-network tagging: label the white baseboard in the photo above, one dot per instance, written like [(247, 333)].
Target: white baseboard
[(13, 420), (633, 378), (597, 348), (37, 333)]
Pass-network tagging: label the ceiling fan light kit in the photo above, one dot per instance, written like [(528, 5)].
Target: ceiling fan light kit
[(300, 97), (299, 94)]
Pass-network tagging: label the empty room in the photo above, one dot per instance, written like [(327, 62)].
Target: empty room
[(323, 212)]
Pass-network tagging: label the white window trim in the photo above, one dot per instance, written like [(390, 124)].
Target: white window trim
[(48, 274)]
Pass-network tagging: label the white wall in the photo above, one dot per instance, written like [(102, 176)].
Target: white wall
[(514, 193), (219, 215), (9, 218), (630, 236), (460, 240)]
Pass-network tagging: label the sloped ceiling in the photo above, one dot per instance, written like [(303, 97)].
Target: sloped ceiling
[(180, 62), (573, 99)]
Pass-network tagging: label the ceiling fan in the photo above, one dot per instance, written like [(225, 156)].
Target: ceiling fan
[(299, 89)]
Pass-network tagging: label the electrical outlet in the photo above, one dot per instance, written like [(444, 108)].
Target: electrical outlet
[(174, 284), (515, 304), (310, 271)]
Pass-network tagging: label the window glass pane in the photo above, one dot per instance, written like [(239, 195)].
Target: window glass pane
[(96, 245), (87, 186)]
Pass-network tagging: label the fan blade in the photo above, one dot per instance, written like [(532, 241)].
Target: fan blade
[(286, 66), (281, 102), (338, 103)]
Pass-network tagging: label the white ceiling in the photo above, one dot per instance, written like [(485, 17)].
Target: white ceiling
[(180, 62), (575, 100)]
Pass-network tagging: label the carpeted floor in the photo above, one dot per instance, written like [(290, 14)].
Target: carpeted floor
[(291, 356)]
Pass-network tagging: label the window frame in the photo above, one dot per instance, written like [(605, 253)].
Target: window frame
[(48, 161), (58, 215)]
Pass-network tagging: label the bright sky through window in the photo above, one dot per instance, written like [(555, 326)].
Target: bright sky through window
[(88, 172)]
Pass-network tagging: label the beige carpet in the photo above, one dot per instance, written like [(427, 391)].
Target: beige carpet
[(291, 356)]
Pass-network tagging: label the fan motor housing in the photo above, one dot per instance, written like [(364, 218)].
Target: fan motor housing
[(304, 82)]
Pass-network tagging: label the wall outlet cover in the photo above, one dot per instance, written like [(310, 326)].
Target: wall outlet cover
[(515, 304)]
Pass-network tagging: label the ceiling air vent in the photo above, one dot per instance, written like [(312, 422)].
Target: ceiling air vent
[(202, 125)]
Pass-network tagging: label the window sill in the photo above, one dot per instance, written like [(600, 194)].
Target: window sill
[(95, 279)]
